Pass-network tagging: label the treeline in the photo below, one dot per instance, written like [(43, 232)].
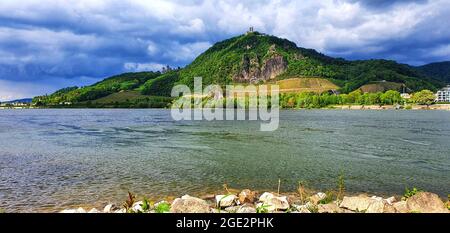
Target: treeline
[(315, 100)]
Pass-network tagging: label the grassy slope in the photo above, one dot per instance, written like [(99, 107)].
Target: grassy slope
[(296, 85), (381, 87)]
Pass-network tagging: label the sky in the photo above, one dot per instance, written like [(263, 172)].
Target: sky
[(49, 44)]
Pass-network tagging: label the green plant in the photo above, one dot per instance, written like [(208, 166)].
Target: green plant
[(145, 205), (341, 188), (131, 199), (409, 193), (313, 208), (262, 209), (330, 197), (448, 202), (162, 207), (302, 192)]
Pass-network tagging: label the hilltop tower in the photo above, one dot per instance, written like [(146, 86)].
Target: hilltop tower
[(250, 30)]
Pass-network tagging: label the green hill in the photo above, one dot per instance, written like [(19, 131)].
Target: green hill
[(437, 70), (258, 58), (114, 84), (252, 58)]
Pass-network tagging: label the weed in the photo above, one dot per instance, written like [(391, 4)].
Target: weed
[(225, 186), (162, 207), (129, 202), (341, 188), (330, 197), (145, 205), (313, 208), (262, 209), (448, 202), (302, 191), (409, 193)]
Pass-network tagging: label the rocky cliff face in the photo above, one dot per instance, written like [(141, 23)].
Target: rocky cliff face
[(254, 70)]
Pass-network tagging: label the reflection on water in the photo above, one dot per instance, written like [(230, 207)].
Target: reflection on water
[(50, 159)]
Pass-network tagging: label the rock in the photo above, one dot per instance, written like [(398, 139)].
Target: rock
[(380, 206), (247, 196), (137, 208), (188, 204), (303, 208), (73, 211), (226, 200), (93, 211), (246, 210), (109, 208), (232, 209), (69, 211), (425, 202), (400, 207), (266, 196), (274, 202), (120, 211), (254, 72), (329, 208), (357, 203), (390, 200), (377, 198), (316, 198)]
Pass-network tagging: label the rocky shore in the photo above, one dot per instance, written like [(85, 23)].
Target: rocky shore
[(247, 201)]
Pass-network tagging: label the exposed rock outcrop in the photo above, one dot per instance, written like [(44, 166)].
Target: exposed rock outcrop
[(253, 70)]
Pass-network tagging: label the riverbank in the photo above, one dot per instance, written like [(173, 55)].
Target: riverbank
[(445, 107), (248, 201), (391, 107)]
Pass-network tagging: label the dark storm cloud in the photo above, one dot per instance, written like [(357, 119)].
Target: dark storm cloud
[(387, 3)]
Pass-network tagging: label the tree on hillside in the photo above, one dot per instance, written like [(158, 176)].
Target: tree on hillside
[(424, 97)]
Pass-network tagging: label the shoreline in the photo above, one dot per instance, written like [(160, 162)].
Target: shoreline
[(441, 107), (303, 201)]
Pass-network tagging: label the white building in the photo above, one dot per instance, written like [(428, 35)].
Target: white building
[(443, 95)]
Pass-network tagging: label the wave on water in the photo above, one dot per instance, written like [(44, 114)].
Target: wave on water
[(415, 142)]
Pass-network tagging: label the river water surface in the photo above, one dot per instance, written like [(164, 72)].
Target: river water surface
[(51, 159)]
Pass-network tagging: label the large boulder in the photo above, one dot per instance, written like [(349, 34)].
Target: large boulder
[(358, 203), (380, 206), (188, 204), (274, 202), (400, 207), (226, 200), (425, 202), (247, 196)]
